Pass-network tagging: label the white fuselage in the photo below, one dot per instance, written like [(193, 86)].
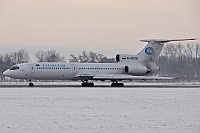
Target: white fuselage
[(64, 71)]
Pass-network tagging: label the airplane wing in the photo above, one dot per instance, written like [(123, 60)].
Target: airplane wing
[(130, 77), (121, 77), (84, 76)]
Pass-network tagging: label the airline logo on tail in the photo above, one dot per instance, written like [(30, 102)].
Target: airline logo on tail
[(149, 50)]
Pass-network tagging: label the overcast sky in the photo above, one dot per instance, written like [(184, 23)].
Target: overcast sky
[(104, 26)]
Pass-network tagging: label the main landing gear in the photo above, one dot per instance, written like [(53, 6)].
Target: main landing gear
[(115, 84), (30, 83), (86, 84)]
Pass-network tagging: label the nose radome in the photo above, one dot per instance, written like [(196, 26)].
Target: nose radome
[(6, 73)]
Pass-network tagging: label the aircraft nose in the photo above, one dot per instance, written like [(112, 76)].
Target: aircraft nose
[(6, 73)]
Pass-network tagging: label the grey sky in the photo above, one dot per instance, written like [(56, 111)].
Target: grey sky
[(103, 26)]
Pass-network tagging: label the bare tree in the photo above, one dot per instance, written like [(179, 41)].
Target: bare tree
[(40, 56), (189, 51), (107, 60), (9, 59), (84, 57), (197, 50), (52, 56), (93, 57), (49, 56), (183, 63), (100, 57), (21, 56), (73, 59), (180, 50)]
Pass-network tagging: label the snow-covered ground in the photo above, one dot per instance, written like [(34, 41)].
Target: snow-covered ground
[(178, 82), (105, 110)]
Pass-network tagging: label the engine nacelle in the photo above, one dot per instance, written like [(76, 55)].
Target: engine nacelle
[(135, 70), (154, 69)]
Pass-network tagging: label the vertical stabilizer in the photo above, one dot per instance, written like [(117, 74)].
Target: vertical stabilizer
[(152, 50)]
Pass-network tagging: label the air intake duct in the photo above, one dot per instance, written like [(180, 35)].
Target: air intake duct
[(135, 70)]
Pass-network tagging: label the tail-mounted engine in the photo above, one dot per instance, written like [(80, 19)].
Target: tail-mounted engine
[(135, 70)]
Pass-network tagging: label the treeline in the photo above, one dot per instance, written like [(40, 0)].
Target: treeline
[(22, 56), (175, 60), (181, 61), (90, 57), (9, 59)]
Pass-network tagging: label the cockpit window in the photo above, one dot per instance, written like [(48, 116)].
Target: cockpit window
[(14, 68)]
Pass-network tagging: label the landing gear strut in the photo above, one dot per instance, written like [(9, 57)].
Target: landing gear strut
[(30, 83), (86, 84), (115, 84)]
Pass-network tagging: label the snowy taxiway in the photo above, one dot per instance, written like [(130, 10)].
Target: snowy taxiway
[(90, 110)]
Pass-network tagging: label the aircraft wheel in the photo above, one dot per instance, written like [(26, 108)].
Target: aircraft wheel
[(121, 84), (84, 84), (91, 84), (117, 85), (113, 84), (31, 84), (87, 84)]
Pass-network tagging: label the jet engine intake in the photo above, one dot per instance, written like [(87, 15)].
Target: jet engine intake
[(135, 70)]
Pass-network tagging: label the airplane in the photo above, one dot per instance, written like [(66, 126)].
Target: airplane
[(127, 67)]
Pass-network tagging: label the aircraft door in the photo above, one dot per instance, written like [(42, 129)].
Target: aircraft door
[(32, 68), (74, 69)]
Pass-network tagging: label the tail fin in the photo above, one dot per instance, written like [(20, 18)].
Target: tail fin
[(153, 49)]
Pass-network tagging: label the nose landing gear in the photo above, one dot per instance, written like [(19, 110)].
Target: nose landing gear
[(30, 83)]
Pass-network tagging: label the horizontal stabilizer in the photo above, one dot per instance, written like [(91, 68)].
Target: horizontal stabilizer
[(165, 40)]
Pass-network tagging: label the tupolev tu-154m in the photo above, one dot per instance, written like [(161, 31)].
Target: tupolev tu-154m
[(127, 67)]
